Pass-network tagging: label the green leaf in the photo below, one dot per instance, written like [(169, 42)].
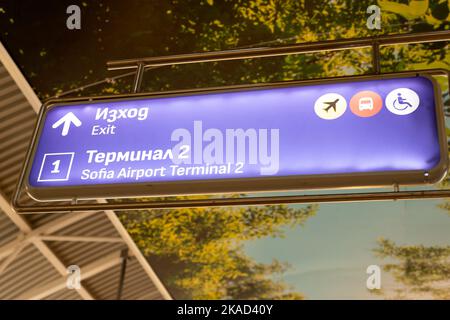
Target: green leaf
[(414, 10)]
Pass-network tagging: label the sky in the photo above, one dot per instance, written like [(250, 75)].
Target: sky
[(330, 253)]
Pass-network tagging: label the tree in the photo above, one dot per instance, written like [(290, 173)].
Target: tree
[(422, 271), (199, 251), (170, 27)]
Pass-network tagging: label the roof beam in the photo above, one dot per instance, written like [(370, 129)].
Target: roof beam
[(81, 239), (48, 228), (16, 251), (65, 221), (19, 79), (88, 271), (17, 219), (23, 225), (62, 269), (9, 248)]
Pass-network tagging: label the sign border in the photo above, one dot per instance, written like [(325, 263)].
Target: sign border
[(247, 185), (72, 154)]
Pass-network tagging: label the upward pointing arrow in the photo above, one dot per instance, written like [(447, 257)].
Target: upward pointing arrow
[(67, 120)]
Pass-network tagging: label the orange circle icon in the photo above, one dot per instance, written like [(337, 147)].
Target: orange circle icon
[(366, 104)]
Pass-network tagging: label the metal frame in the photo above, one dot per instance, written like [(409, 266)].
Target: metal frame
[(252, 184), (297, 48), (141, 64)]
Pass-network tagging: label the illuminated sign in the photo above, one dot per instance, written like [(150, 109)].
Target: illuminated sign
[(365, 132)]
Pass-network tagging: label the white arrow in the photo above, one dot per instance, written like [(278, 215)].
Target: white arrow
[(67, 120)]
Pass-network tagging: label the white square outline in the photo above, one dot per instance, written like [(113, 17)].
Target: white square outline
[(72, 155)]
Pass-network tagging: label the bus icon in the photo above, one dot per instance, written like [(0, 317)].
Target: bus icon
[(365, 103)]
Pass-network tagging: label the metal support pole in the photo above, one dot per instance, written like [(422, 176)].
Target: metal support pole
[(123, 269), (138, 77), (376, 61), (245, 201)]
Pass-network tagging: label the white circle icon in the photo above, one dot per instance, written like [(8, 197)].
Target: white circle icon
[(402, 101), (330, 106)]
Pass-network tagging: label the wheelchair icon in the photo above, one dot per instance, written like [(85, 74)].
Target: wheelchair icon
[(401, 103)]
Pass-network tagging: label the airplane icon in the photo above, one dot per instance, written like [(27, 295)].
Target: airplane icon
[(331, 104), (328, 101)]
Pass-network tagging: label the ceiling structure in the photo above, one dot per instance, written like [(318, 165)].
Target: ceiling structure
[(37, 249)]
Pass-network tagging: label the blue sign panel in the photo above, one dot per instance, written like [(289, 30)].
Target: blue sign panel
[(369, 132)]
